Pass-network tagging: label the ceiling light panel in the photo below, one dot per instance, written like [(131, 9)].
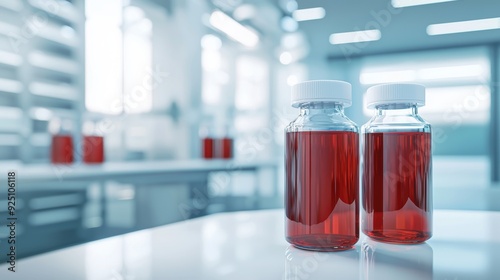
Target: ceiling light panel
[(409, 3), (463, 26), (355, 37), (309, 14)]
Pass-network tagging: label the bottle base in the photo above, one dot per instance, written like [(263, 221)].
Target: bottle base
[(323, 242), (399, 236)]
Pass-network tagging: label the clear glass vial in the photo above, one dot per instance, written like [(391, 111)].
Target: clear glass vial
[(396, 160), (321, 166)]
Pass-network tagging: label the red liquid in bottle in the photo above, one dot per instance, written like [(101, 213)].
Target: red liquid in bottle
[(93, 149), (62, 149), (397, 187), (322, 189), (207, 147), (226, 147)]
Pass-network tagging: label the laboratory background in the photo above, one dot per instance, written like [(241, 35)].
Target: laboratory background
[(124, 115)]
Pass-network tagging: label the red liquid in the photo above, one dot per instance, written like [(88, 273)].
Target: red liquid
[(61, 149), (397, 187), (207, 148), (226, 147), (322, 190), (93, 149)]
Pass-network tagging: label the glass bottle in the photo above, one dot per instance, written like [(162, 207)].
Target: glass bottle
[(397, 177), (321, 166)]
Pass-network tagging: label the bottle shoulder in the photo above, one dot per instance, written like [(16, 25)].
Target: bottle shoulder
[(320, 122), (380, 123)]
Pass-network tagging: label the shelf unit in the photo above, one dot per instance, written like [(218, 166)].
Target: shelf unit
[(41, 74)]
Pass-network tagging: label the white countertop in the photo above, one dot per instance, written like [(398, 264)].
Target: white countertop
[(251, 245)]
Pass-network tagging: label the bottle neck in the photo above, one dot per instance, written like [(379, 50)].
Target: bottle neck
[(328, 108), (397, 110)]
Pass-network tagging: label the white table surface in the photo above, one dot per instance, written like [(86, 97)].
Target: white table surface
[(251, 245)]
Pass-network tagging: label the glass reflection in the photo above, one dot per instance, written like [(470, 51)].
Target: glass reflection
[(301, 264), (389, 261)]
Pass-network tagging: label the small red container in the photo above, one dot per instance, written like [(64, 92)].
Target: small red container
[(62, 149), (225, 148), (207, 146), (93, 149)]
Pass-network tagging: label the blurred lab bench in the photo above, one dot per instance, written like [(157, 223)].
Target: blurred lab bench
[(251, 245), (62, 205), (164, 171)]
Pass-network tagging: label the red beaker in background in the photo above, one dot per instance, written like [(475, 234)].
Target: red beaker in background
[(224, 143), (207, 147), (93, 144), (207, 143), (225, 147), (61, 150), (93, 149)]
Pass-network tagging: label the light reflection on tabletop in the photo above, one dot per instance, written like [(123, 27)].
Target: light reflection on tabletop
[(251, 245)]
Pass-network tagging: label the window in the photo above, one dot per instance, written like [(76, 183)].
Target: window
[(137, 49), (214, 77), (252, 106), (457, 106), (118, 58), (103, 59)]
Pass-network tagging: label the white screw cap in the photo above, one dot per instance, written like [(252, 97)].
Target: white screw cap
[(322, 91), (395, 94)]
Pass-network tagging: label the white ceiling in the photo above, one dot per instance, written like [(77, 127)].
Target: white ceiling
[(405, 31)]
